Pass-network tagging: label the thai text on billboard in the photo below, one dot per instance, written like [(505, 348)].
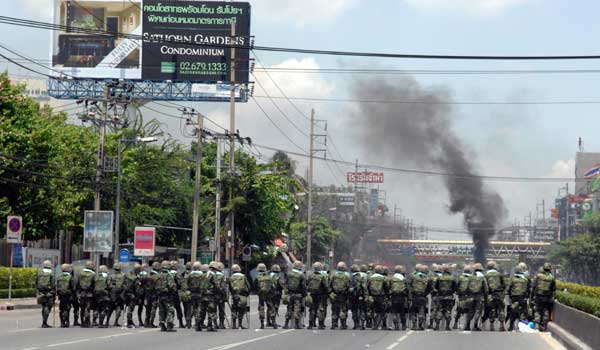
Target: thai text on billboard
[(365, 177), (144, 239)]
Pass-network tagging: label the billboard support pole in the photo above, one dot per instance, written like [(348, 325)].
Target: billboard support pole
[(197, 188), (218, 205), (310, 184), (100, 164), (232, 146)]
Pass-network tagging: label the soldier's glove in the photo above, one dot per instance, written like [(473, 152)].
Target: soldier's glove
[(332, 296), (308, 300), (285, 299), (490, 299)]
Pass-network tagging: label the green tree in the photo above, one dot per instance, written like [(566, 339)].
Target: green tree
[(324, 237), (579, 258)]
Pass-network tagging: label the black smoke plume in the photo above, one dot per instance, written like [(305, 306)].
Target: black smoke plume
[(420, 134)]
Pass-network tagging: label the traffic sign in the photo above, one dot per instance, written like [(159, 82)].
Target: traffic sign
[(124, 256), (144, 241), (14, 226), (246, 253)]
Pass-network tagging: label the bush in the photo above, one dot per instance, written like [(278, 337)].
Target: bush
[(23, 278), (579, 289), (580, 302), (18, 293)]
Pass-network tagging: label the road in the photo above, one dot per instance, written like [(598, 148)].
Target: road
[(19, 330)]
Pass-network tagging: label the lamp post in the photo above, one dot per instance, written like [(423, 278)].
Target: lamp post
[(118, 199)]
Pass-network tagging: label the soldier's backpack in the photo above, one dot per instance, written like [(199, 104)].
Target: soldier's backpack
[(164, 283), (419, 285), (519, 286), (206, 283), (265, 284), (494, 281), (398, 285), (293, 281), (117, 281), (85, 280), (101, 284), (313, 285), (63, 284), (44, 281), (340, 283), (445, 285), (463, 285), (195, 282), (238, 283), (476, 284), (376, 285), (150, 282), (544, 284)]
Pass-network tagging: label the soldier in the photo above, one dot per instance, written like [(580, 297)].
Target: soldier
[(478, 291), (339, 292), (150, 294), (495, 300), (264, 289), (85, 292), (365, 303), (518, 292), (317, 289), (208, 284), (194, 285), (357, 298), (102, 295), (419, 288), (369, 271), (45, 285), (543, 290), (166, 287), (75, 300), (294, 294), (131, 284), (279, 284), (445, 287), (65, 288), (115, 283), (437, 272), (220, 293), (377, 289), (141, 294), (175, 299), (464, 298), (184, 294), (399, 297), (239, 288), (388, 302)]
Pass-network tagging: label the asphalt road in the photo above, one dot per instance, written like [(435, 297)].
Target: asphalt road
[(19, 330)]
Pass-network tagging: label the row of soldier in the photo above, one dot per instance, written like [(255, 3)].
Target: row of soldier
[(200, 293)]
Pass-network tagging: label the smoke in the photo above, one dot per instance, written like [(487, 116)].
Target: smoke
[(421, 135)]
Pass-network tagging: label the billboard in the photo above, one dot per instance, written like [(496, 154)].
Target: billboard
[(144, 239), (157, 40), (364, 177), (34, 257), (345, 199), (98, 231)]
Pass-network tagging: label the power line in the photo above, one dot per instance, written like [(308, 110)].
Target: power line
[(277, 126), (51, 26)]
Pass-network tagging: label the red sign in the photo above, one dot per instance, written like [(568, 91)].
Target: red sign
[(365, 177), (144, 241)]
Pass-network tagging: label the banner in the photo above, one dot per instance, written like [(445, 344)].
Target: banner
[(345, 199), (364, 177), (144, 241), (98, 231)]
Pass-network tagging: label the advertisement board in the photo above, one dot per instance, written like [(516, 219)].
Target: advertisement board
[(373, 201), (34, 257), (150, 40), (364, 177), (144, 239), (345, 199), (98, 231)]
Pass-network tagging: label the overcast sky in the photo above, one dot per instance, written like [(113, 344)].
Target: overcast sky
[(503, 140)]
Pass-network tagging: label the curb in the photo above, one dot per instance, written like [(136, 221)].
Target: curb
[(10, 307), (566, 338)]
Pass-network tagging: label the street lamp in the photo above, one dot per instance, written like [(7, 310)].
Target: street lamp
[(118, 200)]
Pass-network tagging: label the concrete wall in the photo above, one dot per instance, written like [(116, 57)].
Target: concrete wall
[(581, 325)]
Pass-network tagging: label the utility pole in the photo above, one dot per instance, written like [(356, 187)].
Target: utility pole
[(218, 204), (100, 164), (310, 184), (568, 210), (356, 190), (232, 146), (197, 187)]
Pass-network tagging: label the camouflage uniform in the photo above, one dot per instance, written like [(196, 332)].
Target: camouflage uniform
[(184, 294), (420, 288), (464, 298), (175, 298), (239, 288), (194, 282), (85, 292), (65, 288), (45, 285), (295, 292), (102, 295), (150, 294), (317, 289), (140, 294), (117, 300), (166, 288), (279, 284), (495, 300), (478, 290), (445, 286), (339, 291), (208, 284), (518, 292), (543, 290), (357, 298), (220, 294), (131, 284), (399, 296), (435, 300), (265, 289), (378, 291), (369, 305)]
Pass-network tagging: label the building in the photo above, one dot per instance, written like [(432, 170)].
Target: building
[(583, 162)]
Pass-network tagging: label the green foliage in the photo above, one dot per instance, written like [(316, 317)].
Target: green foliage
[(579, 289), (584, 303), (579, 258), (18, 293), (22, 277), (323, 237)]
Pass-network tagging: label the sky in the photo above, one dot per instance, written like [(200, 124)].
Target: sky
[(502, 140)]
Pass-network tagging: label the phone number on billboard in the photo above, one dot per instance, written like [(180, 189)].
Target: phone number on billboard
[(202, 67)]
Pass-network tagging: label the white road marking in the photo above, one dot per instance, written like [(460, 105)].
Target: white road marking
[(393, 345), (405, 336), (114, 335), (33, 348), (233, 345), (22, 330), (69, 342)]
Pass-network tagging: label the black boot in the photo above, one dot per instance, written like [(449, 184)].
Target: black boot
[(287, 324), (240, 320), (233, 323), (262, 324), (211, 327), (437, 325), (130, 324), (222, 324), (297, 322), (170, 328), (344, 325), (163, 328), (396, 326), (334, 324), (274, 324)]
